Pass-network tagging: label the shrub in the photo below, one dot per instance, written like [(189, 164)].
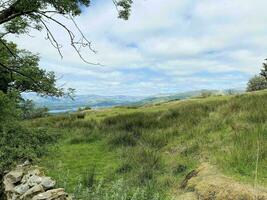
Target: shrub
[(29, 111), (17, 142), (257, 83)]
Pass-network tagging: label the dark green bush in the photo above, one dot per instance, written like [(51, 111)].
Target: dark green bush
[(18, 142)]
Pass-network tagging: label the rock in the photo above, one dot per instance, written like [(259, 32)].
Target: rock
[(27, 183), (21, 189), (9, 187), (14, 176), (56, 194), (26, 163), (34, 180), (13, 196), (34, 172), (32, 192), (48, 183)]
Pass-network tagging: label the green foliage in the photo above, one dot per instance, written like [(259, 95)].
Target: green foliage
[(29, 111), (125, 10), (17, 142), (257, 83), (8, 109), (22, 73), (264, 71), (20, 16)]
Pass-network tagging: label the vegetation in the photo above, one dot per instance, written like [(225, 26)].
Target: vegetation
[(30, 111), (257, 83), (17, 141), (20, 72), (152, 148), (264, 71), (120, 153)]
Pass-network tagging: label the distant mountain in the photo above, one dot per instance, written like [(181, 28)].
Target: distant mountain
[(95, 101)]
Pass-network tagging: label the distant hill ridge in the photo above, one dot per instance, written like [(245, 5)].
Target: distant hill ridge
[(97, 101)]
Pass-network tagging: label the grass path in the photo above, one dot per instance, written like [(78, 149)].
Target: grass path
[(71, 162)]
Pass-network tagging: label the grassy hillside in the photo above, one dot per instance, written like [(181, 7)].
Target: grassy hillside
[(149, 150)]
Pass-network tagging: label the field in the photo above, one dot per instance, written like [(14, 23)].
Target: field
[(145, 152)]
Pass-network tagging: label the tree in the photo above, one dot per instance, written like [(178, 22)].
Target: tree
[(264, 71), (19, 16), (22, 73), (257, 83), (19, 68)]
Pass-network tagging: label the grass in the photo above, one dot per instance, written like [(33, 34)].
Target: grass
[(155, 146), (72, 163)]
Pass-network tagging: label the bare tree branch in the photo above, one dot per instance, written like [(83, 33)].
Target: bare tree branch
[(52, 39), (72, 39)]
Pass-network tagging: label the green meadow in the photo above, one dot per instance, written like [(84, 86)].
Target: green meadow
[(145, 152)]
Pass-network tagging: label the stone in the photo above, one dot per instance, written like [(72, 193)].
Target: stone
[(56, 194), (21, 189), (14, 176), (48, 183), (28, 183), (32, 192), (34, 180), (26, 163), (34, 172), (9, 186)]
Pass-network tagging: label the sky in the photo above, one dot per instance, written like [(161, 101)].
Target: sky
[(167, 46)]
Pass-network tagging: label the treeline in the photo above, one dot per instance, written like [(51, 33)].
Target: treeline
[(258, 82)]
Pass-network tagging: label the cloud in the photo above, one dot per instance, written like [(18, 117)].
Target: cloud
[(163, 46)]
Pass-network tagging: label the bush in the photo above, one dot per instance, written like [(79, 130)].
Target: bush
[(257, 83), (17, 142), (29, 111)]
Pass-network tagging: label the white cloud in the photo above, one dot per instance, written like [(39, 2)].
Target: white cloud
[(175, 39)]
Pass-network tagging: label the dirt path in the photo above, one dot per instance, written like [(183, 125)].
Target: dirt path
[(206, 183)]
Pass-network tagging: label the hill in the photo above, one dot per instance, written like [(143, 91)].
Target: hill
[(59, 105), (152, 152)]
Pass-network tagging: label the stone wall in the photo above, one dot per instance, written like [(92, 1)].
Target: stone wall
[(28, 182)]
